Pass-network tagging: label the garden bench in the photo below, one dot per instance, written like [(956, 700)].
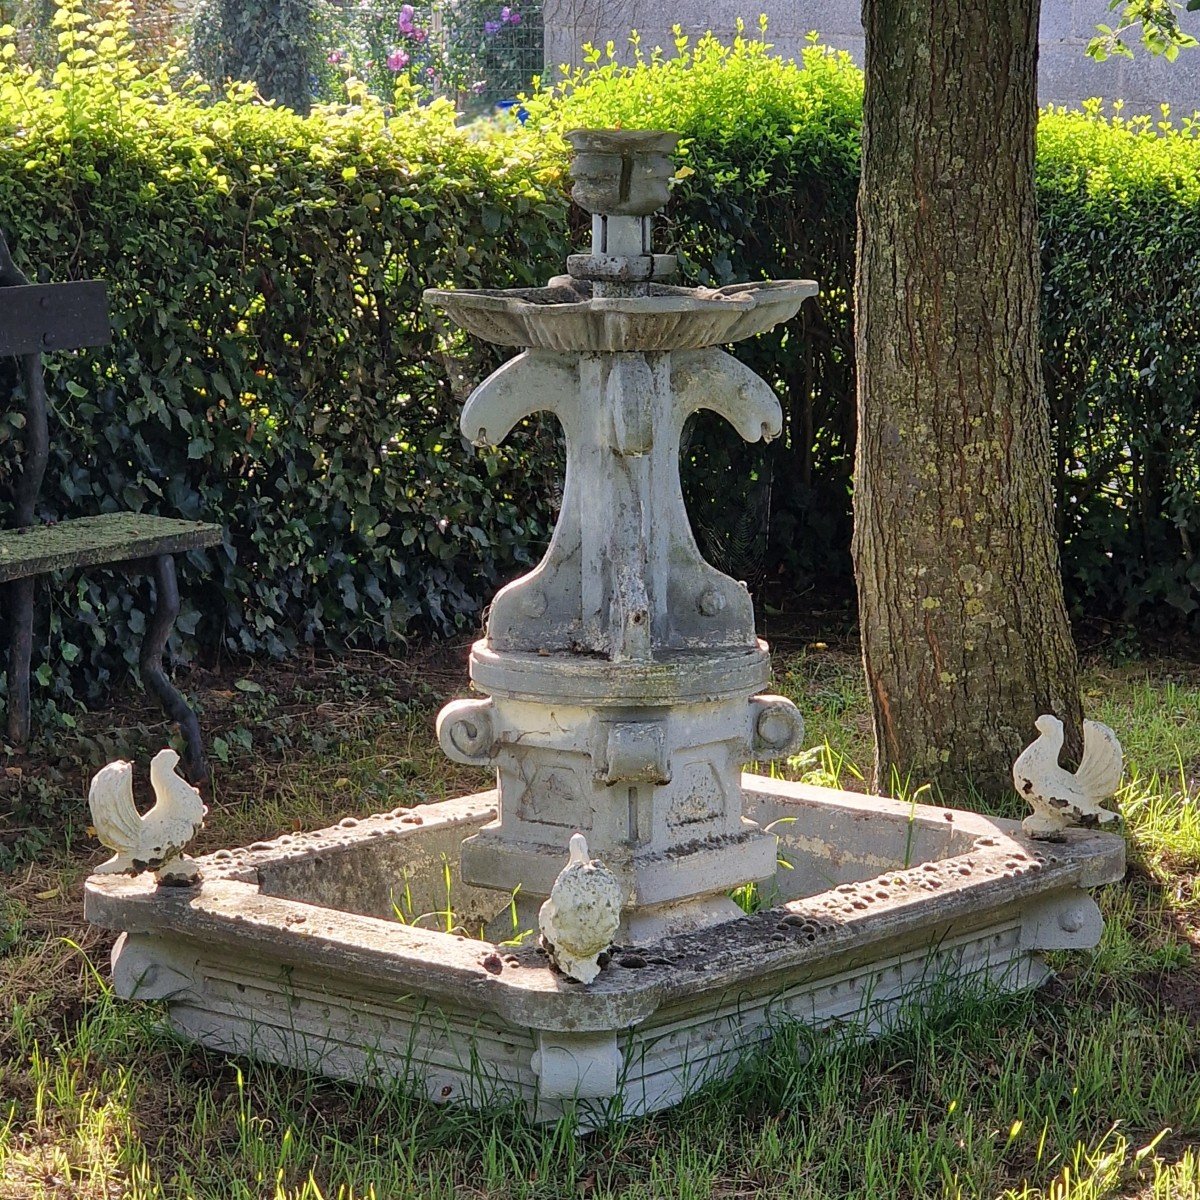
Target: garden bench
[(35, 318)]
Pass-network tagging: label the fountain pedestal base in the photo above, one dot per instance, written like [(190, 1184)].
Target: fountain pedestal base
[(644, 758)]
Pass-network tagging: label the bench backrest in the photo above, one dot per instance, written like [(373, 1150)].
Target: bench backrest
[(38, 317)]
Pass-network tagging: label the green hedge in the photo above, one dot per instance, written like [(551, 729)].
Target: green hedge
[(773, 149), (273, 369), (1120, 212)]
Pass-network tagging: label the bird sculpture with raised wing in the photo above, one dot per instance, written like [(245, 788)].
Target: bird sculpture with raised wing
[(1060, 798), (580, 919), (154, 842)]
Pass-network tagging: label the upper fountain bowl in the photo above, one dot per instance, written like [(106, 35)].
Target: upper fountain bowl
[(614, 299), (565, 316)]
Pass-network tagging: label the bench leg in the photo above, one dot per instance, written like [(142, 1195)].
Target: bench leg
[(20, 651), (154, 675)]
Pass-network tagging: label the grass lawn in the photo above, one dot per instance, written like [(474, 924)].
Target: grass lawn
[(1089, 1088)]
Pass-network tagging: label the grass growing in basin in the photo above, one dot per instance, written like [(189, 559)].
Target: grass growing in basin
[(1090, 1088)]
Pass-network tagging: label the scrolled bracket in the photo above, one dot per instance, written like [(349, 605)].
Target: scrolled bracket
[(535, 381), (716, 380), (1066, 921), (777, 727), (150, 967), (578, 1066), (466, 731)]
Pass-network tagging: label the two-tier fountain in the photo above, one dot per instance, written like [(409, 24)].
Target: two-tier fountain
[(622, 694)]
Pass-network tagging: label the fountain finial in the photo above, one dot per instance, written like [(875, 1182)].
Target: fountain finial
[(621, 177)]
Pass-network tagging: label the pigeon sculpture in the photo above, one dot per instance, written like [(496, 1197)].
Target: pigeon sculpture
[(1060, 798), (154, 842), (580, 919)]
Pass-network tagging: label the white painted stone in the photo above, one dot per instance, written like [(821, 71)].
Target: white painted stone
[(284, 952), (154, 842), (1070, 921), (1059, 798), (622, 671), (580, 1067), (581, 916)]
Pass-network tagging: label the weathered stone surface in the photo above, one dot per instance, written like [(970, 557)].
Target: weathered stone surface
[(88, 541), (621, 172), (565, 316), (622, 670), (1061, 799), (911, 896), (581, 917)]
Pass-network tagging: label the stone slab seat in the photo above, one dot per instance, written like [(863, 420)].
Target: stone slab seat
[(93, 541)]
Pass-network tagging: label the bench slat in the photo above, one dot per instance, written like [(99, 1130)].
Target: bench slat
[(91, 541), (44, 317)]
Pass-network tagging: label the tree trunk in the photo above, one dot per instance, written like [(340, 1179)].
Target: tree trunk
[(964, 628)]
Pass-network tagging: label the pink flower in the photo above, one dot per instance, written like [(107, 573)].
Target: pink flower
[(510, 16), (397, 60), (337, 56)]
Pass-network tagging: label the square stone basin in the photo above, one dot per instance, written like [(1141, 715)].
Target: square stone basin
[(297, 950)]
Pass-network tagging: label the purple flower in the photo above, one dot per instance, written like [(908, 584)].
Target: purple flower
[(510, 16), (418, 35), (405, 22), (491, 28), (397, 60)]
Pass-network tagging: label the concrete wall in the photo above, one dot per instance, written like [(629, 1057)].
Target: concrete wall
[(1067, 75)]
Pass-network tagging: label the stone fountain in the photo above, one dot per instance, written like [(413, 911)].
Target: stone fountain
[(621, 691), (623, 676)]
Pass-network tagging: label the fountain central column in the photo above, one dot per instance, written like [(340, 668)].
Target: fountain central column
[(623, 676)]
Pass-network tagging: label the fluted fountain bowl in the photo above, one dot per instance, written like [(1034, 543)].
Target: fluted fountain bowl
[(566, 316)]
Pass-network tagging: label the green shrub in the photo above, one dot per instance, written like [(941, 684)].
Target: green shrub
[(769, 156), (1120, 213), (772, 150), (272, 367)]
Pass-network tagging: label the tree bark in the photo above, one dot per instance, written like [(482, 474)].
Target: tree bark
[(964, 628)]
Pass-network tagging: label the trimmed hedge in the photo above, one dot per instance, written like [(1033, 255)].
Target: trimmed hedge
[(272, 366), (273, 369), (1120, 214), (773, 154)]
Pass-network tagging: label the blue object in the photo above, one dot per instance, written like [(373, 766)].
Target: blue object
[(506, 105)]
